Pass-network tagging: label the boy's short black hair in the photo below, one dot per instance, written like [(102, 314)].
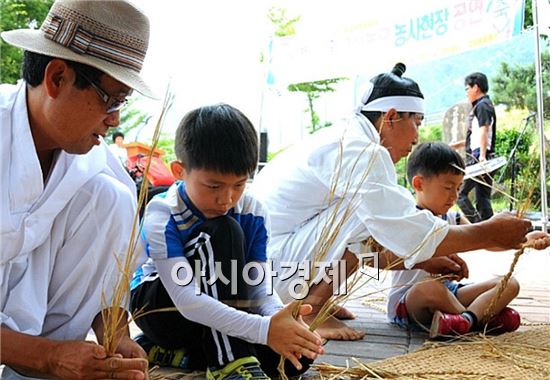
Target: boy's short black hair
[(217, 138), (117, 134), (432, 159), (477, 78), (34, 66)]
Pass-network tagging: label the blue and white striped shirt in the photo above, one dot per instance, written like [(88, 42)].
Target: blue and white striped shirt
[(171, 218)]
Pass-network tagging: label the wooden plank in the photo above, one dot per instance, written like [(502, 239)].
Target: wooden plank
[(373, 349)]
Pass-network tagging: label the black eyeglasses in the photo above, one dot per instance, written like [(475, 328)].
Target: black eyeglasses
[(112, 104)]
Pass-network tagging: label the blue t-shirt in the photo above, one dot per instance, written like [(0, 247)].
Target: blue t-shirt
[(171, 218)]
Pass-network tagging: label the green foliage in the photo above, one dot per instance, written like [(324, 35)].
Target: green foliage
[(271, 155), (425, 134), (528, 15), (514, 86), (131, 117), (284, 25), (527, 166), (313, 91), (401, 170), (18, 14), (430, 133), (505, 142), (166, 143)]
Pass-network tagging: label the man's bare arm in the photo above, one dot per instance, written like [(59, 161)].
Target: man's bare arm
[(503, 230), (25, 353), (483, 142), (458, 144), (46, 358)]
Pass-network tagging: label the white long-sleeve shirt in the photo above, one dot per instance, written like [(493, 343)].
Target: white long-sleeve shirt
[(343, 160), (58, 238), (170, 220)]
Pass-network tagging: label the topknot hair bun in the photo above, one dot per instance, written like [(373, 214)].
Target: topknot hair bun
[(399, 69)]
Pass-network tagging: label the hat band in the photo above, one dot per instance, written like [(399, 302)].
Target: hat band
[(73, 36), (400, 103)]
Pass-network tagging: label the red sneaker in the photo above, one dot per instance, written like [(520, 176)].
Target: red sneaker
[(448, 324), (507, 320)]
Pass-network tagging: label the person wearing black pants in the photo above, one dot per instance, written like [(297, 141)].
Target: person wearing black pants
[(171, 330), (483, 209), (206, 239), (480, 147)]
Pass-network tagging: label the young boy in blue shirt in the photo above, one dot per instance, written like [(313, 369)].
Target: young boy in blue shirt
[(206, 240), (435, 171)]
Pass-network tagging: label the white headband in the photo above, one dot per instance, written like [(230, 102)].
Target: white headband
[(400, 103)]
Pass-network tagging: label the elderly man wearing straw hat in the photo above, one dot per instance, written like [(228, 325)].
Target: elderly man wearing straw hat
[(66, 201)]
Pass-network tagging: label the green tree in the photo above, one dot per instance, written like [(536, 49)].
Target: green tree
[(166, 143), (313, 91), (528, 15), (131, 117), (18, 14), (514, 86), (285, 26)]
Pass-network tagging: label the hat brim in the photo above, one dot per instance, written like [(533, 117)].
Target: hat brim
[(34, 40)]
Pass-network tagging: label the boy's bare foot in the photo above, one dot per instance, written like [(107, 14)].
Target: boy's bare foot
[(343, 313), (339, 312), (335, 329)]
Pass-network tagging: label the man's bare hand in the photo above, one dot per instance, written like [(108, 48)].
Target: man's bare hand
[(505, 230), (74, 360), (291, 337), (446, 265), (130, 349), (538, 239)]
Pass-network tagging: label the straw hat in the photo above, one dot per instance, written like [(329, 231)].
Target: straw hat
[(111, 36)]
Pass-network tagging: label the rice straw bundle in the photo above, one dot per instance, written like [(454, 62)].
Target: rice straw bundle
[(331, 229), (115, 320), (527, 192), (341, 210), (523, 206)]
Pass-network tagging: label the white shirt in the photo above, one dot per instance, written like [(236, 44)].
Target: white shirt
[(55, 252), (296, 187), (167, 239), (120, 153), (403, 280)]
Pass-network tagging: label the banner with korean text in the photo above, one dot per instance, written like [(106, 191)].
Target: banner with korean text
[(375, 34)]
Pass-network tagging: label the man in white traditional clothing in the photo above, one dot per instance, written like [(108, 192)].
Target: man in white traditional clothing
[(345, 178), (67, 203)]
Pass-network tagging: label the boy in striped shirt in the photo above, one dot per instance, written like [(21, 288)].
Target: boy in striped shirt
[(206, 239)]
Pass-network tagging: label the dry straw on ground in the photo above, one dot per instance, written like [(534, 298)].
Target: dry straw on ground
[(518, 355)]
